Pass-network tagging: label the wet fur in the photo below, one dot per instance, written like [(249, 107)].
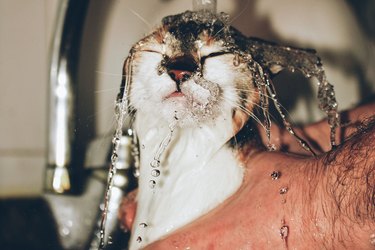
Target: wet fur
[(202, 165)]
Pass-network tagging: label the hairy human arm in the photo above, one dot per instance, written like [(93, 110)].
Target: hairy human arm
[(350, 175), (341, 191)]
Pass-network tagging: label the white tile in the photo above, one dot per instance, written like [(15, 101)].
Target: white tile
[(21, 176), (23, 73)]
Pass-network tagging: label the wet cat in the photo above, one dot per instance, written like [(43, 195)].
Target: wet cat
[(195, 88)]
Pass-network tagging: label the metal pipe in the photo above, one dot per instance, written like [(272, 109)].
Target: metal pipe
[(64, 161)]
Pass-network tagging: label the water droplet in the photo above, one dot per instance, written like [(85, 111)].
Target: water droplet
[(236, 60), (114, 157), (136, 173), (271, 147), (143, 225), (115, 140), (160, 70), (139, 239), (152, 184), (110, 241), (155, 163), (155, 172), (65, 231), (130, 131), (275, 175), (69, 223), (143, 146), (283, 190), (140, 43), (101, 206), (284, 231), (372, 239)]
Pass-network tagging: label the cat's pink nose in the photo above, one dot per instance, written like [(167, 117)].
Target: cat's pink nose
[(181, 68), (179, 75)]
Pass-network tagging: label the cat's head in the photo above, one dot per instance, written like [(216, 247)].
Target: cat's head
[(187, 70)]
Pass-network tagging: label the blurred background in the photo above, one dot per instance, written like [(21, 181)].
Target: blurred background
[(342, 31)]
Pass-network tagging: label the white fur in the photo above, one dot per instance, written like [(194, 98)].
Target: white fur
[(198, 170), (197, 173)]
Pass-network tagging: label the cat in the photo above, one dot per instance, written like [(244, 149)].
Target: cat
[(194, 88)]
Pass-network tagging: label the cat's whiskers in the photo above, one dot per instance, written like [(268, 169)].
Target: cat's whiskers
[(274, 120), (149, 26), (108, 74), (146, 94), (245, 110), (246, 99), (269, 97)]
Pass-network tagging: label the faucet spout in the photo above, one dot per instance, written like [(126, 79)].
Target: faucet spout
[(64, 160)]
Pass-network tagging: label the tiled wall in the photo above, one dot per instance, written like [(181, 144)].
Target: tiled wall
[(25, 31)]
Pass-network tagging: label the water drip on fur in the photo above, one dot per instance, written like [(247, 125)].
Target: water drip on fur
[(121, 111), (152, 184), (155, 163), (155, 172)]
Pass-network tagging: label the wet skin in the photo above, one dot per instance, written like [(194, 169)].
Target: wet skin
[(253, 216)]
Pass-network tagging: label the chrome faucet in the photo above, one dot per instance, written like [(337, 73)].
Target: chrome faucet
[(64, 158), (74, 189)]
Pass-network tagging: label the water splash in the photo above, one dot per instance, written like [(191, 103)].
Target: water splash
[(271, 91), (121, 110), (273, 58), (264, 104)]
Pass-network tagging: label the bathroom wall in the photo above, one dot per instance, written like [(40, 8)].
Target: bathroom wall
[(25, 31), (111, 27)]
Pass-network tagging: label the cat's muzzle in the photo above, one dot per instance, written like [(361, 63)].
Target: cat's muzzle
[(181, 69)]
